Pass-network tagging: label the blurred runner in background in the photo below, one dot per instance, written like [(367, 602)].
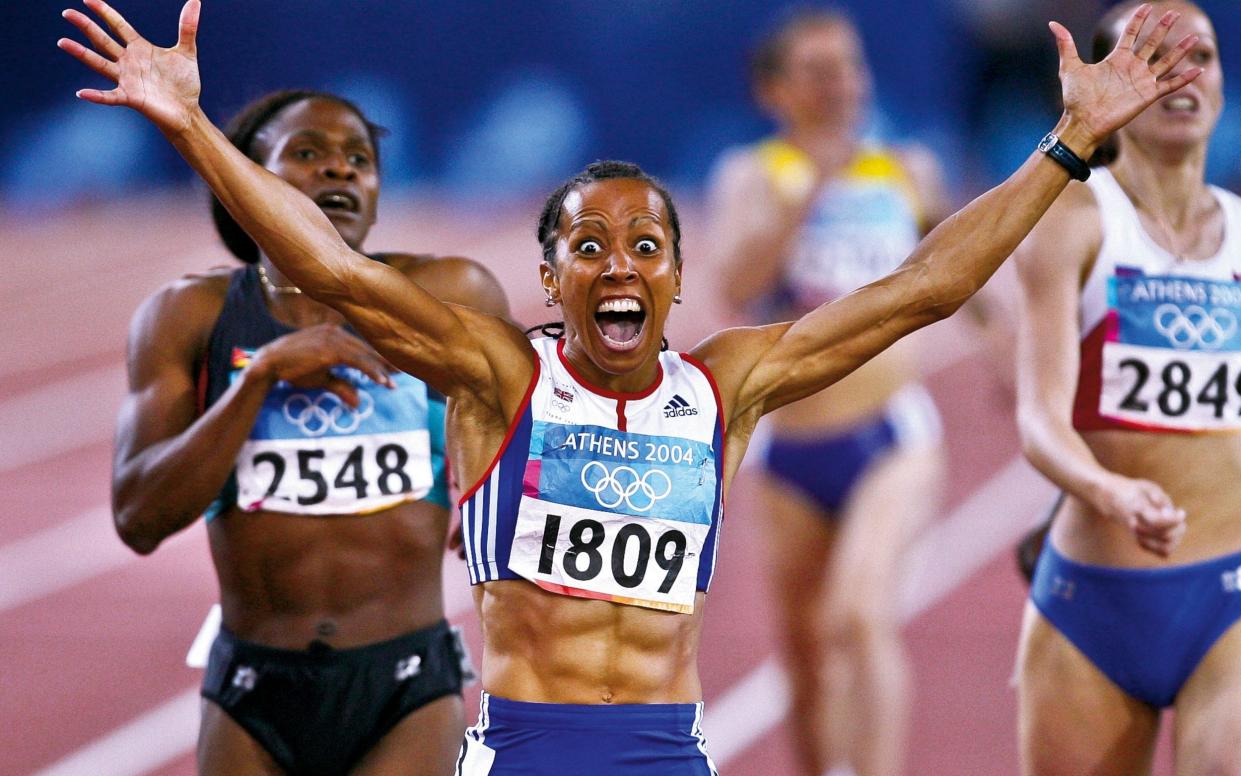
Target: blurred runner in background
[(1130, 401), (853, 472)]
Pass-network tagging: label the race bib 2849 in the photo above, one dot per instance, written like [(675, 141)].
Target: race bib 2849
[(1172, 355)]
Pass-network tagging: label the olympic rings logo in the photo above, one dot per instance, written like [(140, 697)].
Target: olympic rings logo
[(1195, 326), (622, 484), (326, 412)]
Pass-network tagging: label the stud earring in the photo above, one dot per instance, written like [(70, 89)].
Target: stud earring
[(677, 299), (550, 302)]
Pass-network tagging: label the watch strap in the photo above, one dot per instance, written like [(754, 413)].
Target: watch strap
[(1064, 156)]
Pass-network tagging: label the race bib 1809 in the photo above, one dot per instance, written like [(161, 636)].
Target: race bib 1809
[(1172, 355), (614, 515), (310, 453)]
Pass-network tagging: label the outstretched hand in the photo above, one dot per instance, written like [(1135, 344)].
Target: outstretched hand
[(160, 83), (1104, 97)]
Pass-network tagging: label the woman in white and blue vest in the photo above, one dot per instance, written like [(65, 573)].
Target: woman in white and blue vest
[(1129, 385), (598, 462)]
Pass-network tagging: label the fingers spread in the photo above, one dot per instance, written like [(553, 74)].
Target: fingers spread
[(1177, 81), (1155, 39), (123, 30), (103, 67), (1174, 55), (98, 97), (1129, 37), (101, 40)]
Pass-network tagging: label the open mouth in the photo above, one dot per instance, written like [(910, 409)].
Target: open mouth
[(620, 322), (1181, 103), (337, 202)]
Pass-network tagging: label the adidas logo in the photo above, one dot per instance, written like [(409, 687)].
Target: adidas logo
[(678, 407)]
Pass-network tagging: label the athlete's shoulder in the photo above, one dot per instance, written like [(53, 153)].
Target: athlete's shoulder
[(192, 295), (743, 165), (1068, 237), (179, 316), (455, 279)]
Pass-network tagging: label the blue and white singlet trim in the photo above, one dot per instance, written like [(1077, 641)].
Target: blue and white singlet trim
[(597, 494)]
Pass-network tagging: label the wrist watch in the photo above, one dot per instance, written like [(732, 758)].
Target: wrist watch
[(1064, 156)]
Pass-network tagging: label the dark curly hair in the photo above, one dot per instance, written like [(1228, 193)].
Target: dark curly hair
[(549, 219), (243, 131)]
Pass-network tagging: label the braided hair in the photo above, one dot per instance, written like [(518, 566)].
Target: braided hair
[(549, 220)]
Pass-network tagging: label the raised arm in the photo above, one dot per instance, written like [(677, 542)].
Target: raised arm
[(453, 348), (1052, 264), (764, 368)]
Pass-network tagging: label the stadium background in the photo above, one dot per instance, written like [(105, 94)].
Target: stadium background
[(489, 104)]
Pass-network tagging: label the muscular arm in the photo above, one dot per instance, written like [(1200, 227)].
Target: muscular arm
[(457, 350), (434, 341), (764, 370), (167, 465), (791, 360)]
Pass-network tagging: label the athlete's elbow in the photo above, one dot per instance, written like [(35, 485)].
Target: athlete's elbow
[(1031, 424), (134, 531), (140, 542)]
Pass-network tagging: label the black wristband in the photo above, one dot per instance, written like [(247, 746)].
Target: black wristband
[(1064, 156)]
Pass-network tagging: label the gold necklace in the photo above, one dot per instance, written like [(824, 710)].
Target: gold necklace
[(272, 288)]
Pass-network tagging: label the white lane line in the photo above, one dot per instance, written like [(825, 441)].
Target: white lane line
[(140, 745), (744, 714), (947, 554), (64, 555), (987, 523), (60, 417), (167, 732)]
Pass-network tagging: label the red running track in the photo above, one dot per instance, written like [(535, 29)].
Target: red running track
[(93, 638)]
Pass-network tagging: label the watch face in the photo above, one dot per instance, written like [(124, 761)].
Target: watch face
[(1047, 142)]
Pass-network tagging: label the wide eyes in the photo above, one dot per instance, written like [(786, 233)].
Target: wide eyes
[(644, 247)]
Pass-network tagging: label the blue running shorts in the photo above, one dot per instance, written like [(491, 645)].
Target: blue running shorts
[(1145, 629), (515, 738)]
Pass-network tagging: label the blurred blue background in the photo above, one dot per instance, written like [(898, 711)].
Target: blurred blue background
[(498, 100)]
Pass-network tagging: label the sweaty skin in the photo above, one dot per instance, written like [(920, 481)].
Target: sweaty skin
[(604, 249)]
